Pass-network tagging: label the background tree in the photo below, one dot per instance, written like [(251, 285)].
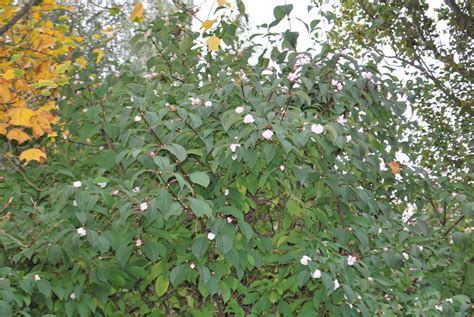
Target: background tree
[(434, 48)]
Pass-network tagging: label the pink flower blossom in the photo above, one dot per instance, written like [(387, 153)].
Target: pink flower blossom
[(267, 134), (249, 119)]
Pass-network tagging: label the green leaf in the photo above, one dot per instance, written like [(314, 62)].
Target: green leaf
[(161, 285), (279, 12), (200, 178), (178, 274), (177, 150), (224, 243), (44, 287), (123, 253), (246, 229), (200, 207), (200, 246), (163, 200)]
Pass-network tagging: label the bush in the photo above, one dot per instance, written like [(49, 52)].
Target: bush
[(218, 187)]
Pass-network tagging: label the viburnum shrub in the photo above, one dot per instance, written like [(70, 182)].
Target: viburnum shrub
[(208, 186)]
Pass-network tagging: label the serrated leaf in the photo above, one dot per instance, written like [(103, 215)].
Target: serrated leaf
[(178, 151), (200, 207), (200, 246), (178, 274), (200, 178), (224, 243)]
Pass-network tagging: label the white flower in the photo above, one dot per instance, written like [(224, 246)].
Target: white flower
[(226, 192), (233, 147), (439, 307), (211, 236), (317, 128), (72, 296), (387, 297), (239, 109), (37, 277), (195, 101), (380, 230), (339, 86), (74, 203), (334, 82), (302, 59), (449, 300), (292, 77), (267, 134), (77, 184), (208, 103), (341, 120), (454, 194), (336, 284), (408, 213), (385, 249), (137, 118), (367, 75), (351, 260), (405, 256), (345, 51), (138, 243), (420, 248), (234, 157), (229, 219), (316, 274), (249, 119), (102, 185), (282, 167), (136, 190), (81, 231), (192, 266), (348, 138), (370, 279), (305, 260), (143, 206)]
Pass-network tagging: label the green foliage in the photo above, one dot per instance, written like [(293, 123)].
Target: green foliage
[(184, 208)]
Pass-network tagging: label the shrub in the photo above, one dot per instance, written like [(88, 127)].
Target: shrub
[(218, 187)]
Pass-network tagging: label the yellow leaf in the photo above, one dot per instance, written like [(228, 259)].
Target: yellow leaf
[(45, 83), (5, 94), (395, 167), (18, 135), (47, 5), (3, 128), (81, 62), (9, 74), (137, 12), (213, 43), (32, 155), (206, 25), (223, 2), (100, 54), (61, 68), (20, 116)]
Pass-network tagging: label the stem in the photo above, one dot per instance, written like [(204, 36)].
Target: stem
[(454, 225)]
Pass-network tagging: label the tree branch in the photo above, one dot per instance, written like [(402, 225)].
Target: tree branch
[(17, 17)]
